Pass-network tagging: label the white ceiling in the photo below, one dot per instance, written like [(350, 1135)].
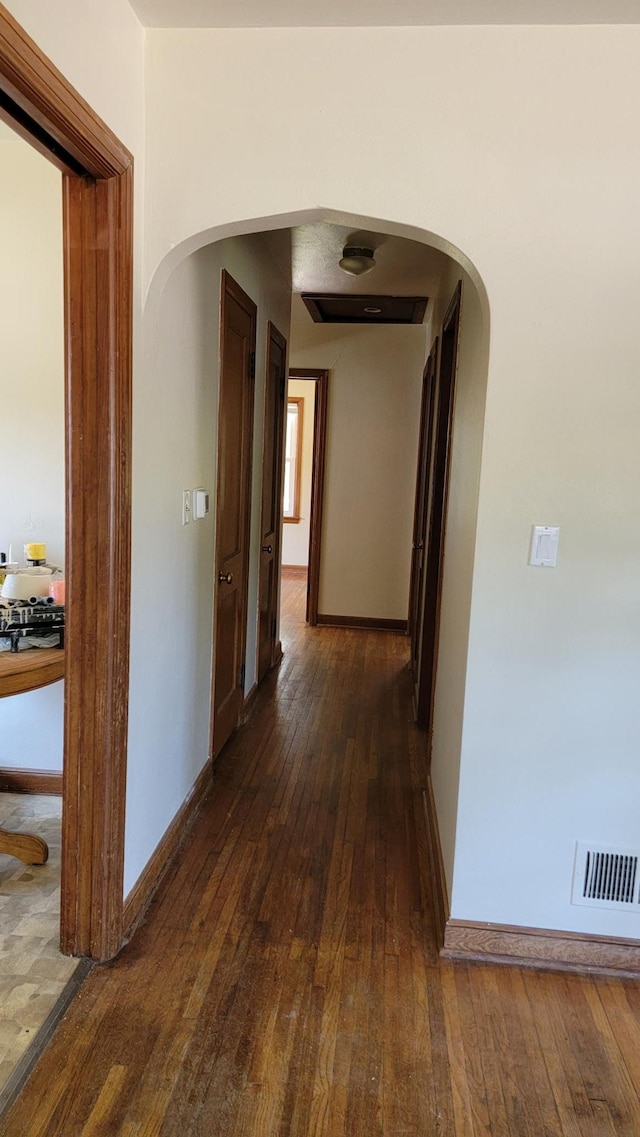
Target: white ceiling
[(403, 268), (379, 13), (310, 254)]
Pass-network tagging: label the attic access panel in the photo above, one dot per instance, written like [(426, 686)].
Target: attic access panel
[(336, 308)]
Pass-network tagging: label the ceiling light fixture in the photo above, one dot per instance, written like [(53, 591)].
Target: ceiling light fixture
[(356, 260)]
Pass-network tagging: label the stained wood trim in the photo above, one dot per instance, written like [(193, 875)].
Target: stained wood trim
[(98, 278), (317, 482), (295, 571), (142, 893), (438, 878), (275, 340), (374, 623), (98, 257), (435, 540), (16, 781), (541, 947), (418, 553)]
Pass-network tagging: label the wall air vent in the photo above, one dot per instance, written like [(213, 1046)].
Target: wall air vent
[(606, 877)]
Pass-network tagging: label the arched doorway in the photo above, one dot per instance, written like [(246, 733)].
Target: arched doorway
[(184, 286)]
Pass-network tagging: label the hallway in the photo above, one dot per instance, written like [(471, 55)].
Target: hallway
[(286, 981)]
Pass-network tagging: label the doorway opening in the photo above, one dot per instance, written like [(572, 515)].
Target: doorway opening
[(305, 453), (97, 178), (33, 512), (372, 434)]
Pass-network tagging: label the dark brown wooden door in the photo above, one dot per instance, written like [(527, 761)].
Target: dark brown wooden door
[(436, 514), (271, 524), (233, 507), (425, 447)]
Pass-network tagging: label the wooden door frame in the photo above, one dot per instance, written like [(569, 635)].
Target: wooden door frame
[(429, 633), (317, 483), (38, 102), (420, 506), (274, 336)]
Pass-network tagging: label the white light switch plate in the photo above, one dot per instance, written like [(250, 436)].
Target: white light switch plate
[(544, 546)]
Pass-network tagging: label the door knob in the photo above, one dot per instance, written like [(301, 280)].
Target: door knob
[(267, 548), (225, 578)]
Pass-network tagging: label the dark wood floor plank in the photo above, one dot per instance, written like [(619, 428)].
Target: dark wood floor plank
[(468, 1093), (621, 1005), (533, 1079), (286, 982), (552, 997)]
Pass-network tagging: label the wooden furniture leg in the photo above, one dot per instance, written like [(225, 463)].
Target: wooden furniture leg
[(27, 671), (25, 846)]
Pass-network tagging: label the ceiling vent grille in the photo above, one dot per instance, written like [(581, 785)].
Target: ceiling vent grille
[(606, 877)]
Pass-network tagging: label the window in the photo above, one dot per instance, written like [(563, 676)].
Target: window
[(293, 460)]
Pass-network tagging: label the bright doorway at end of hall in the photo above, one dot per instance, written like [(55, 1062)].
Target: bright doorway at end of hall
[(307, 401), (298, 475)]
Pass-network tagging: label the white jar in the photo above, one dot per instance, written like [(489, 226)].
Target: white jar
[(30, 582)]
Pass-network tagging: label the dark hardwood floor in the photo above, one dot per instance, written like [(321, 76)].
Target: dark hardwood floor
[(286, 982)]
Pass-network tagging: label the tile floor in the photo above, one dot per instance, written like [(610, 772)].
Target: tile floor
[(33, 973)]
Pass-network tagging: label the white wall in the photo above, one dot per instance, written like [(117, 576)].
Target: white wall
[(87, 40), (375, 383), (176, 399), (98, 45), (32, 499), (514, 148), (295, 534)]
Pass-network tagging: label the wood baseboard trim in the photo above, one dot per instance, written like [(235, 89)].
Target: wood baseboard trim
[(142, 892), (15, 781), (370, 623), (436, 864), (510, 944), (295, 572), (541, 947)]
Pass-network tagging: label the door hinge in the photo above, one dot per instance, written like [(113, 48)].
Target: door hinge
[(252, 365), (241, 675)]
